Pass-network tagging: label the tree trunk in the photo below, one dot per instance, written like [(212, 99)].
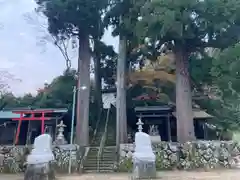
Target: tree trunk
[(121, 93), (185, 126), (98, 85), (84, 57)]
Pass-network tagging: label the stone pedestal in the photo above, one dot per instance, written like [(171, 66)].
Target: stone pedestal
[(237, 162), (143, 158), (155, 139), (144, 170), (44, 171), (39, 161)]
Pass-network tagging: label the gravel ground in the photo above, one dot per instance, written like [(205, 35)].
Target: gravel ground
[(170, 175)]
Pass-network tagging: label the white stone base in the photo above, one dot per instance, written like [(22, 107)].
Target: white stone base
[(155, 139), (42, 171), (144, 170)]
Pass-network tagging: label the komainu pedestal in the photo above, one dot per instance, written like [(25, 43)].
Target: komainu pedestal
[(144, 170), (44, 171), (143, 158), (39, 161)]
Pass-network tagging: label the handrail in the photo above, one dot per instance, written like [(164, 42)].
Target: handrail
[(97, 124), (103, 139), (84, 155)]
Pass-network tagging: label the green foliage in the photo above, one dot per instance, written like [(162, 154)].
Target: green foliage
[(223, 88), (200, 69), (68, 18), (126, 165), (107, 57), (122, 15), (191, 24), (226, 69), (59, 93)]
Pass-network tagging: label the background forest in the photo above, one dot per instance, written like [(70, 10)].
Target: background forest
[(185, 53)]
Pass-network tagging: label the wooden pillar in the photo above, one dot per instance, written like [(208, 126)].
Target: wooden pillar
[(204, 130), (121, 93), (18, 129), (55, 129), (169, 128), (28, 139), (29, 133), (42, 122)]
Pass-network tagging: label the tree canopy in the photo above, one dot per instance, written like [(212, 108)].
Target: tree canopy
[(191, 24), (73, 17)]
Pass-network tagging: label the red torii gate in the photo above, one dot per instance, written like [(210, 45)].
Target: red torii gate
[(42, 118)]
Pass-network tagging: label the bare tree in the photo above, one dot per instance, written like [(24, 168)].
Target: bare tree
[(5, 79), (66, 46)]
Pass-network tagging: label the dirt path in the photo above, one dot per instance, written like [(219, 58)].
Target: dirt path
[(170, 175)]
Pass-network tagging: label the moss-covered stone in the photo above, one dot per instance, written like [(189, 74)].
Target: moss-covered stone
[(188, 156), (13, 158), (125, 165)]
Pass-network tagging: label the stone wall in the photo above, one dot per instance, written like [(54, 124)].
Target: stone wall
[(193, 155), (13, 158)]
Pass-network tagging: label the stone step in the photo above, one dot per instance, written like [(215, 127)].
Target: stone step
[(96, 168), (109, 153), (109, 150), (112, 148), (91, 160), (108, 156), (93, 163), (93, 150), (100, 168), (96, 171), (101, 159), (109, 143), (100, 164), (92, 153), (92, 157)]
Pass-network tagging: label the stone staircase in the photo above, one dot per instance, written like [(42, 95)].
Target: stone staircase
[(106, 161), (111, 130), (96, 141), (90, 164), (111, 136), (97, 138)]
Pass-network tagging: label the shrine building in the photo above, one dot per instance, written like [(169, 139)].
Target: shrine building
[(20, 126), (162, 118)]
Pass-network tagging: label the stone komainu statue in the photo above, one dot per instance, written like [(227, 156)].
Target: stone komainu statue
[(153, 131)]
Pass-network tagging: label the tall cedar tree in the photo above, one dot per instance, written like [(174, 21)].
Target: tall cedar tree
[(189, 26), (120, 16), (104, 56), (80, 18)]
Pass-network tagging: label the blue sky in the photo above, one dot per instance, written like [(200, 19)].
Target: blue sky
[(20, 52)]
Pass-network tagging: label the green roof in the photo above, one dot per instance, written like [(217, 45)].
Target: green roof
[(8, 115)]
